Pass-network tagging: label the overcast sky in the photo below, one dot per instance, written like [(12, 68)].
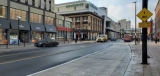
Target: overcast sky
[(121, 9)]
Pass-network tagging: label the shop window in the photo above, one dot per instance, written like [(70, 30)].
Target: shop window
[(40, 19), (2, 36), (3, 11)]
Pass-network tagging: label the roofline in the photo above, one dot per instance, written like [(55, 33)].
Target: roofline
[(69, 2), (157, 5), (81, 12)]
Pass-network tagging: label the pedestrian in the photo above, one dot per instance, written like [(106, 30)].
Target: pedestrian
[(156, 40)]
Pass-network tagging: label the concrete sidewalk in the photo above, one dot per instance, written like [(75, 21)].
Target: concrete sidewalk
[(111, 61), (153, 67), (31, 46)]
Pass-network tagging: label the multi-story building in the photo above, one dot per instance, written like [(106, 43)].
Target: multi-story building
[(87, 24), (28, 20), (157, 20)]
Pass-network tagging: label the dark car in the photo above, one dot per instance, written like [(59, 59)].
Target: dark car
[(44, 43), (113, 39)]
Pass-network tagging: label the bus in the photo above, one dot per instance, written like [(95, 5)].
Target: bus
[(128, 38)]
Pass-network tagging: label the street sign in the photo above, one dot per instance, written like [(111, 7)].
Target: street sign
[(144, 14), (144, 24)]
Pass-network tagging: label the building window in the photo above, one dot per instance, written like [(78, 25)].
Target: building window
[(26, 1), (15, 12), (36, 18), (33, 2), (44, 4), (77, 19), (3, 11), (49, 5), (85, 18), (49, 20), (39, 4)]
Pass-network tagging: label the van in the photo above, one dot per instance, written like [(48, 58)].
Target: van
[(102, 38)]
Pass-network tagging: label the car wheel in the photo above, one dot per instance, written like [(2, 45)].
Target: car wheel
[(44, 45)]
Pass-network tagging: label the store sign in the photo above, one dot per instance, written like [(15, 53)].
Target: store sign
[(21, 26), (51, 29), (60, 28), (74, 5), (38, 28)]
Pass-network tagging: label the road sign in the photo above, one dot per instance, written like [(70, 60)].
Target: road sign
[(144, 14), (144, 24)]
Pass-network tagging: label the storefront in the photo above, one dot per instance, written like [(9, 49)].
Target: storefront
[(37, 32), (82, 34), (60, 33), (50, 31), (69, 33), (4, 24), (23, 31)]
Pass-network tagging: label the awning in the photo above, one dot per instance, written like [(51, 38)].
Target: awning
[(50, 28), (37, 27), (4, 23), (23, 25)]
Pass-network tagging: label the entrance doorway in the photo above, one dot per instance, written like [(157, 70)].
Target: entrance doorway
[(23, 36)]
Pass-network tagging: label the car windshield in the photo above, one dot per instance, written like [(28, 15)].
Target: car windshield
[(49, 40), (101, 36)]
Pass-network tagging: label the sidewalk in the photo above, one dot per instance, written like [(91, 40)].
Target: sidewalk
[(138, 69), (31, 46), (111, 61)]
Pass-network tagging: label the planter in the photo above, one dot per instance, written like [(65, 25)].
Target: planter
[(33, 41), (5, 41)]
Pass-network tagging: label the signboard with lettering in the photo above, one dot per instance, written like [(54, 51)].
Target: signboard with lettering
[(74, 5), (38, 28), (21, 26)]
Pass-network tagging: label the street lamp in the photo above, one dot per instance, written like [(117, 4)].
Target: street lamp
[(135, 21), (18, 28)]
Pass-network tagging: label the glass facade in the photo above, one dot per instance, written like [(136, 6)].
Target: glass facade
[(37, 36), (59, 22), (60, 34), (2, 36), (3, 11), (15, 12), (36, 18), (49, 20)]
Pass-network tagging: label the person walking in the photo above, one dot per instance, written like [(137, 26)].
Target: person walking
[(156, 40)]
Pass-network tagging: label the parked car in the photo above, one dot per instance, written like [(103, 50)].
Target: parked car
[(45, 43), (113, 39), (102, 38)]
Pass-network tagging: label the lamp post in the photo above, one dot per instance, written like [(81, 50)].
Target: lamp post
[(18, 29), (120, 30), (135, 21)]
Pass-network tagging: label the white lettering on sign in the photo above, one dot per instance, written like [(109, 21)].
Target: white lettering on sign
[(21, 26), (51, 29), (38, 28)]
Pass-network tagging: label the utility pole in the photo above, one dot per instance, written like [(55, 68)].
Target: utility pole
[(144, 37), (135, 23)]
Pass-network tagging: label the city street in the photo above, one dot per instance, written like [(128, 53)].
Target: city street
[(27, 62)]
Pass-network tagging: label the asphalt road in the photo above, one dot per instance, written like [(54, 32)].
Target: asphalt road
[(25, 63)]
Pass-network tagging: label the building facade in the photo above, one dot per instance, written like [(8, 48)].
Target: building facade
[(87, 23), (157, 20), (27, 21)]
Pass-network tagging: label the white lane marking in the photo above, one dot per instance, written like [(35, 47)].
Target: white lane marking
[(31, 52), (67, 62), (38, 56)]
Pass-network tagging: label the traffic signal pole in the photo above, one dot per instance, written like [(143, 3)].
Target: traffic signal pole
[(144, 36)]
